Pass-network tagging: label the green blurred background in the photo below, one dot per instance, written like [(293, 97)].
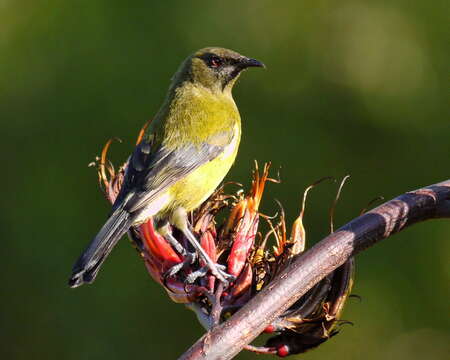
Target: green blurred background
[(351, 87)]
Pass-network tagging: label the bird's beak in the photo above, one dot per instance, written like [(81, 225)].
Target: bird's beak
[(247, 62)]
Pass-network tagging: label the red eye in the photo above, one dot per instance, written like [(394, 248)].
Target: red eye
[(215, 62)]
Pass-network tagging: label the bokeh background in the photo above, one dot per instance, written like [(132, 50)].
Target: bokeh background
[(351, 87)]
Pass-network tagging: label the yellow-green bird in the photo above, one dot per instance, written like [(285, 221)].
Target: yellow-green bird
[(185, 154)]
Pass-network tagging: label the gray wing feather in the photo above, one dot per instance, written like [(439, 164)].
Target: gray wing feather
[(169, 169), (150, 173)]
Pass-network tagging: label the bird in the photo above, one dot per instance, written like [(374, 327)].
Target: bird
[(182, 158)]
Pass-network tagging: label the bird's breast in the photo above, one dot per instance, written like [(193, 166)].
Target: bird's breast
[(232, 147), (195, 188)]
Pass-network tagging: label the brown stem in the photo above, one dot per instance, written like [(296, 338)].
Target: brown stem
[(226, 340)]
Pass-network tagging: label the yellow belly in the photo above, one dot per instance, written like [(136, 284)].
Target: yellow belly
[(195, 188)]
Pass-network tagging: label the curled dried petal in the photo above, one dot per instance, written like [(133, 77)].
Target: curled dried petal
[(142, 131), (298, 233), (336, 199)]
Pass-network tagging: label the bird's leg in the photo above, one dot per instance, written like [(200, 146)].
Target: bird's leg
[(202, 272), (164, 231), (215, 269), (188, 258), (179, 219)]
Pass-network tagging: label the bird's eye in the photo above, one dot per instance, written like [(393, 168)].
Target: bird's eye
[(215, 62)]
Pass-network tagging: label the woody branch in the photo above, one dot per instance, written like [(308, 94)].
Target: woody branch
[(227, 339)]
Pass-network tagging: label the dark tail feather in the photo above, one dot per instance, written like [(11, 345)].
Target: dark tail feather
[(88, 264)]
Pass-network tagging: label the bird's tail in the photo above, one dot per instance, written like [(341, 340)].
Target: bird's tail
[(88, 264)]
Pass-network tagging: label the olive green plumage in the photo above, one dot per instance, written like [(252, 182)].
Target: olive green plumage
[(185, 154)]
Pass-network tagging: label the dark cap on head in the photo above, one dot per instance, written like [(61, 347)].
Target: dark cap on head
[(218, 68)]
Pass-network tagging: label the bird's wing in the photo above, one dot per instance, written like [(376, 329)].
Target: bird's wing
[(150, 172)]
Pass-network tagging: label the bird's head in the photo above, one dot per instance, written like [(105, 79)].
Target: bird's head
[(215, 68)]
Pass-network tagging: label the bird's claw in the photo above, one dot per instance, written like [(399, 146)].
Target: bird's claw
[(174, 270), (196, 274), (224, 278), (189, 259), (219, 271)]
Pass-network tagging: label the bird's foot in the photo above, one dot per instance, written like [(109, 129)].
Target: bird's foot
[(222, 275), (218, 270), (189, 258)]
